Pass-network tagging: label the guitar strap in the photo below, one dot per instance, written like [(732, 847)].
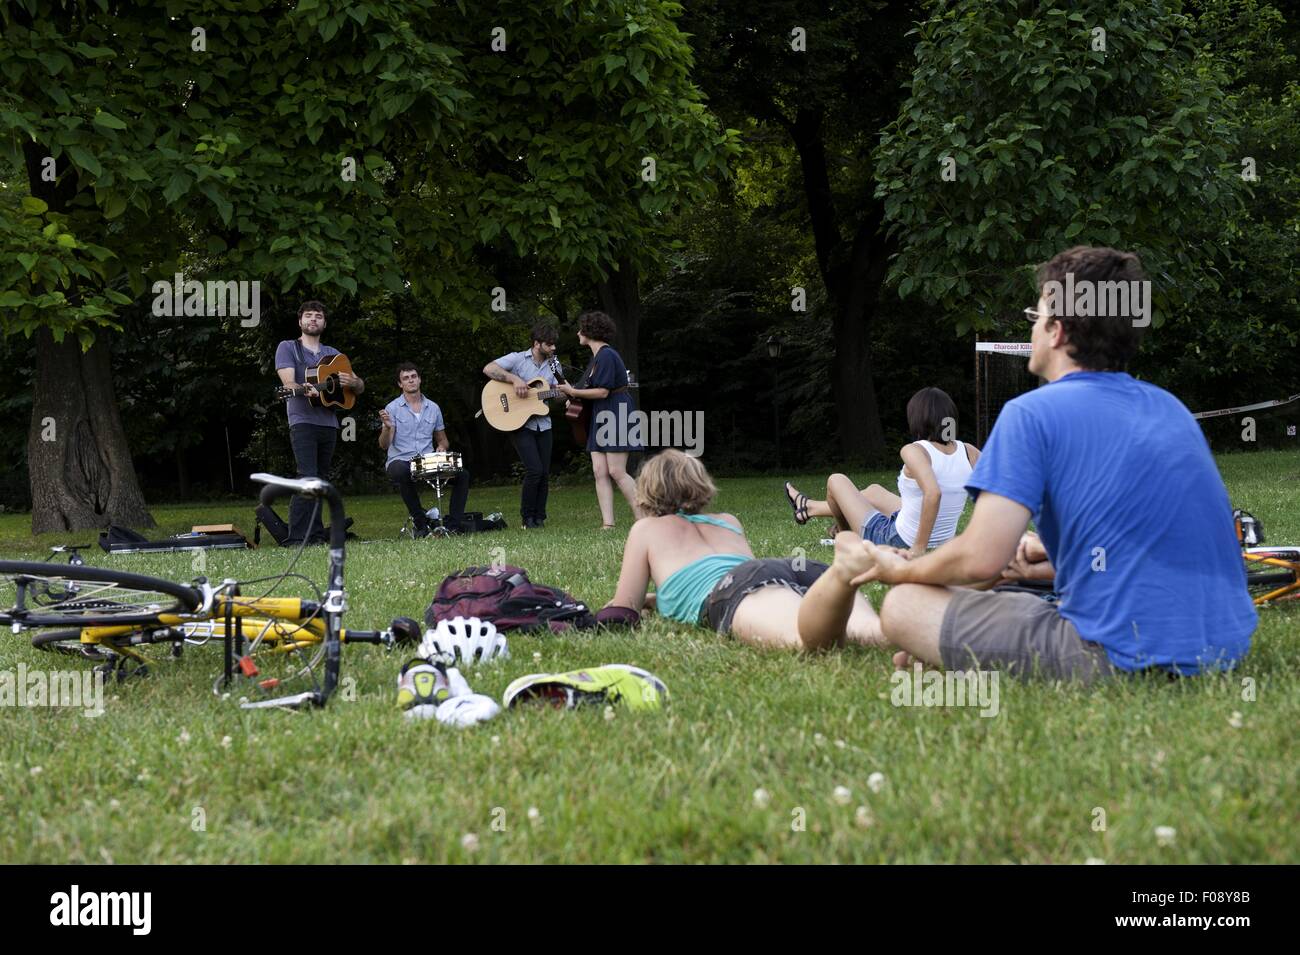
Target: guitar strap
[(301, 376), (302, 359)]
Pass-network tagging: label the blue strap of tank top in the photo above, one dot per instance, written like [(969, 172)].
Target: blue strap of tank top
[(706, 519)]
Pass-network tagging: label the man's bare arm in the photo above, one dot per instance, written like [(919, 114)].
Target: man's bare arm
[(976, 555), (497, 373)]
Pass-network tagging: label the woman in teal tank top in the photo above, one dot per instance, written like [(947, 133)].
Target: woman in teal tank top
[(706, 573)]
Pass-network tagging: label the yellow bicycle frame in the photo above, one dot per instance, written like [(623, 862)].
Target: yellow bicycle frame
[(1286, 590), (278, 621)]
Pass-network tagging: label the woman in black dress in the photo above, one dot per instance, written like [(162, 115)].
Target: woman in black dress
[(608, 439)]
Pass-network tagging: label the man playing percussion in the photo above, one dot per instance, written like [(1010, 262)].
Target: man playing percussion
[(411, 426), (532, 441)]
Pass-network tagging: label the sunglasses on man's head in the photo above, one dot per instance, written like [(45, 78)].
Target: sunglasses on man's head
[(1031, 314)]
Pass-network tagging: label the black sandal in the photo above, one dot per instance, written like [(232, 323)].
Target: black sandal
[(798, 504)]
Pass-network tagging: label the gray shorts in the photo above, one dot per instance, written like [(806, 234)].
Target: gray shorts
[(1019, 633), (742, 580)]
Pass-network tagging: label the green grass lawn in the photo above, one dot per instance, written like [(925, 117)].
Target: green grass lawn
[(358, 783)]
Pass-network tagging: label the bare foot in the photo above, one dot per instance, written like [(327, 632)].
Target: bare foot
[(903, 660), (851, 558)]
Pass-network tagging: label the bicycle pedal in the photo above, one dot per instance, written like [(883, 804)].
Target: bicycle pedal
[(269, 684), (248, 667)]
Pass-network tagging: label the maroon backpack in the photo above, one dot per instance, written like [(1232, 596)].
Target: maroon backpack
[(506, 597)]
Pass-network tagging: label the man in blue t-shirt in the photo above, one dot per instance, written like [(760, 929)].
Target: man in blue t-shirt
[(410, 426), (313, 431), (1134, 521), (533, 441)]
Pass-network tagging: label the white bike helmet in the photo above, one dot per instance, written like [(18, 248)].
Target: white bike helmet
[(464, 640)]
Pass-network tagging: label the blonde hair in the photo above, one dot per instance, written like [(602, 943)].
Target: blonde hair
[(672, 481)]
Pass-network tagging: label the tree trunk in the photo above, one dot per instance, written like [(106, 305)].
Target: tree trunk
[(182, 473), (77, 455), (78, 460), (620, 297), (855, 292), (852, 275)]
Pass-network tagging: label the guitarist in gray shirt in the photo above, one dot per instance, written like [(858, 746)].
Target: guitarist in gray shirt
[(533, 441), (313, 431)]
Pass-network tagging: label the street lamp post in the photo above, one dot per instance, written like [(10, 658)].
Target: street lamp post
[(774, 352)]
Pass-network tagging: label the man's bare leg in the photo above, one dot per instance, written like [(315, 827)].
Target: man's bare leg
[(911, 617), (833, 610)]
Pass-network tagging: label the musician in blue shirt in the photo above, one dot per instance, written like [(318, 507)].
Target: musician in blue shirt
[(412, 424)]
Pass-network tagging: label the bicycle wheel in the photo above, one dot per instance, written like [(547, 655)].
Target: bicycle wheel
[(1269, 578), (35, 594), (67, 642)]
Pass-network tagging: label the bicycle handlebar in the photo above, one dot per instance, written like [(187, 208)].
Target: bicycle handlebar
[(334, 605)]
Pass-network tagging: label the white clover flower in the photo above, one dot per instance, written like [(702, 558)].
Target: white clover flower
[(1235, 720), (876, 782), (863, 817), (842, 795), (1165, 835), (469, 842), (762, 798)]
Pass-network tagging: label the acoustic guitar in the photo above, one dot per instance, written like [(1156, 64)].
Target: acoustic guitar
[(506, 411), (330, 392)]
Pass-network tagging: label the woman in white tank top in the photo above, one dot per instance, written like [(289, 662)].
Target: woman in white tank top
[(931, 485)]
